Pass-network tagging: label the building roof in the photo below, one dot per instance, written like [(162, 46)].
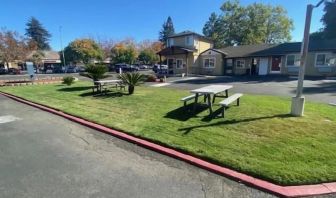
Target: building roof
[(187, 32), (276, 49), (48, 55), (295, 47), (175, 50)]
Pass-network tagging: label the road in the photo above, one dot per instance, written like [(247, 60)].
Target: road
[(316, 89), (43, 155)]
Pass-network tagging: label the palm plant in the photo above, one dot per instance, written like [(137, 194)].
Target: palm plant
[(132, 80), (96, 72)]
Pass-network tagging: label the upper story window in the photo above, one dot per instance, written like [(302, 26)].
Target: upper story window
[(325, 59), (240, 63), (189, 40), (293, 60), (170, 42)]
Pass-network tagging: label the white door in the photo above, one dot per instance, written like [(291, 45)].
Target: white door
[(263, 66)]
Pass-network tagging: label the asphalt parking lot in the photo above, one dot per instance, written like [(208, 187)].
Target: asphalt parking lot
[(43, 155)]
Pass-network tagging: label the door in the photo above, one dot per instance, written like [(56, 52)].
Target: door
[(170, 66), (263, 66), (276, 63)]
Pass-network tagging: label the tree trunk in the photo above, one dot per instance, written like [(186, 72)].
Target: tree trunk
[(130, 89)]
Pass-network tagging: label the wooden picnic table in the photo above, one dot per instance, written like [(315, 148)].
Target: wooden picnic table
[(101, 83), (214, 90)]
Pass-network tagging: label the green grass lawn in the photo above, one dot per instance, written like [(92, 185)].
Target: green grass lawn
[(258, 138)]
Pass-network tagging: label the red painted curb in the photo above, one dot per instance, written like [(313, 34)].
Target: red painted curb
[(284, 191)]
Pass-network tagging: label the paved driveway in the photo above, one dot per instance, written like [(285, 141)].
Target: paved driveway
[(316, 89), (43, 155)]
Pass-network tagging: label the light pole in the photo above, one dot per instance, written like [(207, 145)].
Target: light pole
[(60, 30), (298, 101)]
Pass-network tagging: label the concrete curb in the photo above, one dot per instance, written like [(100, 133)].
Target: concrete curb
[(284, 191)]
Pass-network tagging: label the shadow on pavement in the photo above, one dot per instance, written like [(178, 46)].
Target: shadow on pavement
[(187, 130), (242, 79), (325, 87)]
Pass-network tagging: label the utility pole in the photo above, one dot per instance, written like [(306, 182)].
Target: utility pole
[(298, 101), (60, 30)]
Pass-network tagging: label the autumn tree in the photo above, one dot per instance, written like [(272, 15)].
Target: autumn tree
[(83, 50), (124, 53), (38, 34), (148, 50), (167, 30), (13, 47)]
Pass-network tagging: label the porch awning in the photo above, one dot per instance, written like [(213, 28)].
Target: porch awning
[(174, 50)]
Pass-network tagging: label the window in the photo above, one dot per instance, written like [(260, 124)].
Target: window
[(179, 63), (188, 40), (229, 62), (293, 60), (209, 63), (320, 59), (240, 63), (325, 60), (170, 42)]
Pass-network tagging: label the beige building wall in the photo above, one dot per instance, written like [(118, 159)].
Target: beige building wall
[(184, 59), (311, 69), (219, 64)]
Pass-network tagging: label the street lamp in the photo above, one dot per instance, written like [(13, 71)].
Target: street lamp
[(60, 31), (298, 101)]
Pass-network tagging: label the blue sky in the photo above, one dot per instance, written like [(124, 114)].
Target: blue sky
[(139, 19)]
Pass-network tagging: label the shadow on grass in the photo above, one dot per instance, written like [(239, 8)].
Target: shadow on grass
[(109, 94), (187, 130), (185, 113), (71, 89)]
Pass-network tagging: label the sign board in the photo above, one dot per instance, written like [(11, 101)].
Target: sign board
[(30, 69)]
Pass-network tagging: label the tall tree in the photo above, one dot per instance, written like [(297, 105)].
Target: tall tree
[(124, 53), (13, 47), (167, 30), (212, 30), (38, 34), (252, 24), (329, 19), (83, 50)]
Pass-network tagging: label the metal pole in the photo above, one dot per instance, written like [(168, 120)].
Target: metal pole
[(304, 50), (297, 108), (60, 30)]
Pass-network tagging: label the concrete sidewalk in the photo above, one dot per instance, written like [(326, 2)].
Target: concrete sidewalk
[(43, 155)]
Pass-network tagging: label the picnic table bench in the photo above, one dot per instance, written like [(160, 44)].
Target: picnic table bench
[(102, 84), (215, 90), (191, 97), (226, 102)]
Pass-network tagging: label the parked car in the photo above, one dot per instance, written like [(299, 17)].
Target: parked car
[(125, 67), (157, 68), (81, 69), (3, 70), (14, 71), (72, 69), (143, 67)]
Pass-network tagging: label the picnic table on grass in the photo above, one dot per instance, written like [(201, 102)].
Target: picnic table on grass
[(101, 83), (208, 91)]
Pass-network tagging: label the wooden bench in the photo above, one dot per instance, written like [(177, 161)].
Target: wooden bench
[(225, 103), (187, 98)]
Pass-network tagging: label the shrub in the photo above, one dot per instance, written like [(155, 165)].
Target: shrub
[(151, 78), (96, 72), (68, 80), (132, 80)]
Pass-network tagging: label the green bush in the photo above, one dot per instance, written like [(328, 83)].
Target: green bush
[(132, 79), (96, 72), (68, 80)]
